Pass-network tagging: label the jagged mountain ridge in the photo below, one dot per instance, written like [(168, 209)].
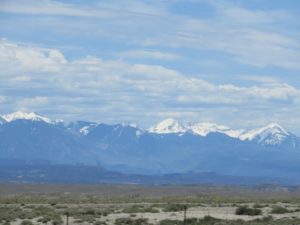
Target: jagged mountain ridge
[(271, 134), (199, 147)]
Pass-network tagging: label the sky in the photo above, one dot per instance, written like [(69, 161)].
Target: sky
[(232, 62)]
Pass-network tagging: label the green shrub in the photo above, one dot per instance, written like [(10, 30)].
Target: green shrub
[(140, 209), (44, 219), (209, 219), (174, 208), (86, 218), (100, 223), (170, 222), (10, 213), (42, 211), (206, 220), (129, 221), (60, 207), (245, 210), (89, 212), (279, 210), (26, 222)]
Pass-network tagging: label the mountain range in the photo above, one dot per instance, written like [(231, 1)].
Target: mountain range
[(166, 148)]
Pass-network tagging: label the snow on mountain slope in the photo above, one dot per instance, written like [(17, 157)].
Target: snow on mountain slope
[(202, 129), (85, 130), (139, 131), (168, 126), (272, 134), (83, 127), (122, 128), (19, 115)]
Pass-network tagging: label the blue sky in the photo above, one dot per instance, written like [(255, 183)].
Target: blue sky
[(233, 62)]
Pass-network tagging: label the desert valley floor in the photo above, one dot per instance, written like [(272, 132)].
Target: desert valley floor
[(134, 204)]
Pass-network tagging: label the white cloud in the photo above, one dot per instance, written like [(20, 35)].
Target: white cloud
[(249, 36), (147, 54), (43, 7), (154, 71), (98, 10), (106, 88), (31, 103), (119, 89), (22, 58), (260, 79), (21, 78), (279, 91), (262, 49), (246, 46), (239, 15), (92, 72)]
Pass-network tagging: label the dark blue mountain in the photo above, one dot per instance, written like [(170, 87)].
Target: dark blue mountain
[(199, 148), (37, 140)]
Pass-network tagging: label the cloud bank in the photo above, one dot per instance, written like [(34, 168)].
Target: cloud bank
[(141, 61)]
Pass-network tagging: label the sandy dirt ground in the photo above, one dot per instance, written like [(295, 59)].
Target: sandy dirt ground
[(117, 198), (223, 212), (226, 213)]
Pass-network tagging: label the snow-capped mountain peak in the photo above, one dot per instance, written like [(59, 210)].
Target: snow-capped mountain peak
[(276, 127), (201, 128), (205, 128), (20, 115), (168, 126), (272, 134)]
